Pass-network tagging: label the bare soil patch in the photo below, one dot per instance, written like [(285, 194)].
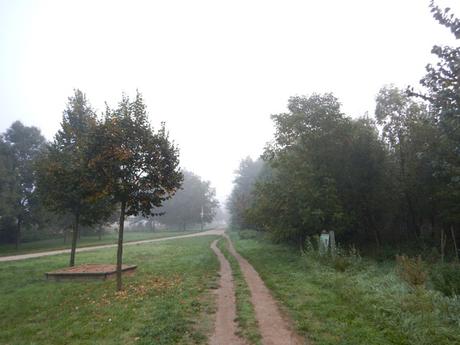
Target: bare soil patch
[(225, 327), (275, 328), (89, 271)]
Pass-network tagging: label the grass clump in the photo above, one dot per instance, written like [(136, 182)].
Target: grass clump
[(246, 318), (412, 270), (340, 259), (446, 278)]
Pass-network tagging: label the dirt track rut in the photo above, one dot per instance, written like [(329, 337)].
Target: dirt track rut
[(274, 327)]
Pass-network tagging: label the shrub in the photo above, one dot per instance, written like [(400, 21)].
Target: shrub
[(446, 278), (247, 234), (411, 270), (340, 259), (341, 263)]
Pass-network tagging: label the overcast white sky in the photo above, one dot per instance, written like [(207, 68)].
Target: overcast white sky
[(213, 70)]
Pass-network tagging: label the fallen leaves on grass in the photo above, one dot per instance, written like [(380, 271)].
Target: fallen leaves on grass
[(157, 284)]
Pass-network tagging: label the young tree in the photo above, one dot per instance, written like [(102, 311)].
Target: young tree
[(442, 92), (67, 182), (22, 146), (139, 167)]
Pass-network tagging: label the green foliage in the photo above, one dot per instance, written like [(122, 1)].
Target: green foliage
[(247, 234), (241, 198), (389, 180), (340, 259), (185, 207), (446, 278), (442, 93), (325, 171), (66, 180), (136, 165), (19, 150), (412, 270)]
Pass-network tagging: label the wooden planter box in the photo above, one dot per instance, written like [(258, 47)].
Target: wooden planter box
[(89, 272)]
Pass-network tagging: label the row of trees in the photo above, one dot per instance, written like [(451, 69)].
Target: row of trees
[(93, 168), (393, 177), (195, 203)]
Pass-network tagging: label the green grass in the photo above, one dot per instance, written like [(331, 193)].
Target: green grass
[(246, 318), (85, 241), (367, 304), (167, 300)]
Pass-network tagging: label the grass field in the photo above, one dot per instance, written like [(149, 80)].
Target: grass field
[(85, 241), (166, 301), (367, 304)]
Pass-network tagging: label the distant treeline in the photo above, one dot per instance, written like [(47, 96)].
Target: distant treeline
[(54, 189), (391, 178)]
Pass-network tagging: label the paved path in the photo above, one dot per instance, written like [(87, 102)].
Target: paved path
[(87, 249)]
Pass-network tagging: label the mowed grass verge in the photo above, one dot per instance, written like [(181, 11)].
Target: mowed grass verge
[(167, 300), (367, 304), (85, 241)]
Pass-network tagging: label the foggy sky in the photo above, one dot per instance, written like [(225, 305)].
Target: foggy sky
[(213, 70)]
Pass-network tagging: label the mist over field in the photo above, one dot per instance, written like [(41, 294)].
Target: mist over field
[(240, 172)]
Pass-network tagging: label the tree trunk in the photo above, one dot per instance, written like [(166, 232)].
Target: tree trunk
[(100, 233), (65, 236), (443, 244), (74, 239), (455, 242), (377, 237), (332, 242), (18, 233), (413, 222), (120, 245)]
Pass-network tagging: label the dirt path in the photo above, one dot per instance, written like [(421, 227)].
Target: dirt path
[(225, 326), (274, 328), (86, 249)]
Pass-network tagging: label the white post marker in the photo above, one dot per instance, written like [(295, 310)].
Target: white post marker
[(324, 243)]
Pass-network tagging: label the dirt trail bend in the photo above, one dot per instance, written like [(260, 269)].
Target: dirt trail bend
[(225, 327), (274, 328), (86, 249)]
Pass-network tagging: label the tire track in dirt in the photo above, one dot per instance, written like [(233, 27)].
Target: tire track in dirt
[(275, 328), (225, 326)]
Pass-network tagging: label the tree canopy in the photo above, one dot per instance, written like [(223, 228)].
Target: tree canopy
[(66, 179), (137, 166)]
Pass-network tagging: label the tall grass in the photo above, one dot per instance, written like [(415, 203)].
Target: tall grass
[(366, 303)]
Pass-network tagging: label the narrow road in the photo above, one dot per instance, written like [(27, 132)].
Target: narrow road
[(86, 249), (225, 327)]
